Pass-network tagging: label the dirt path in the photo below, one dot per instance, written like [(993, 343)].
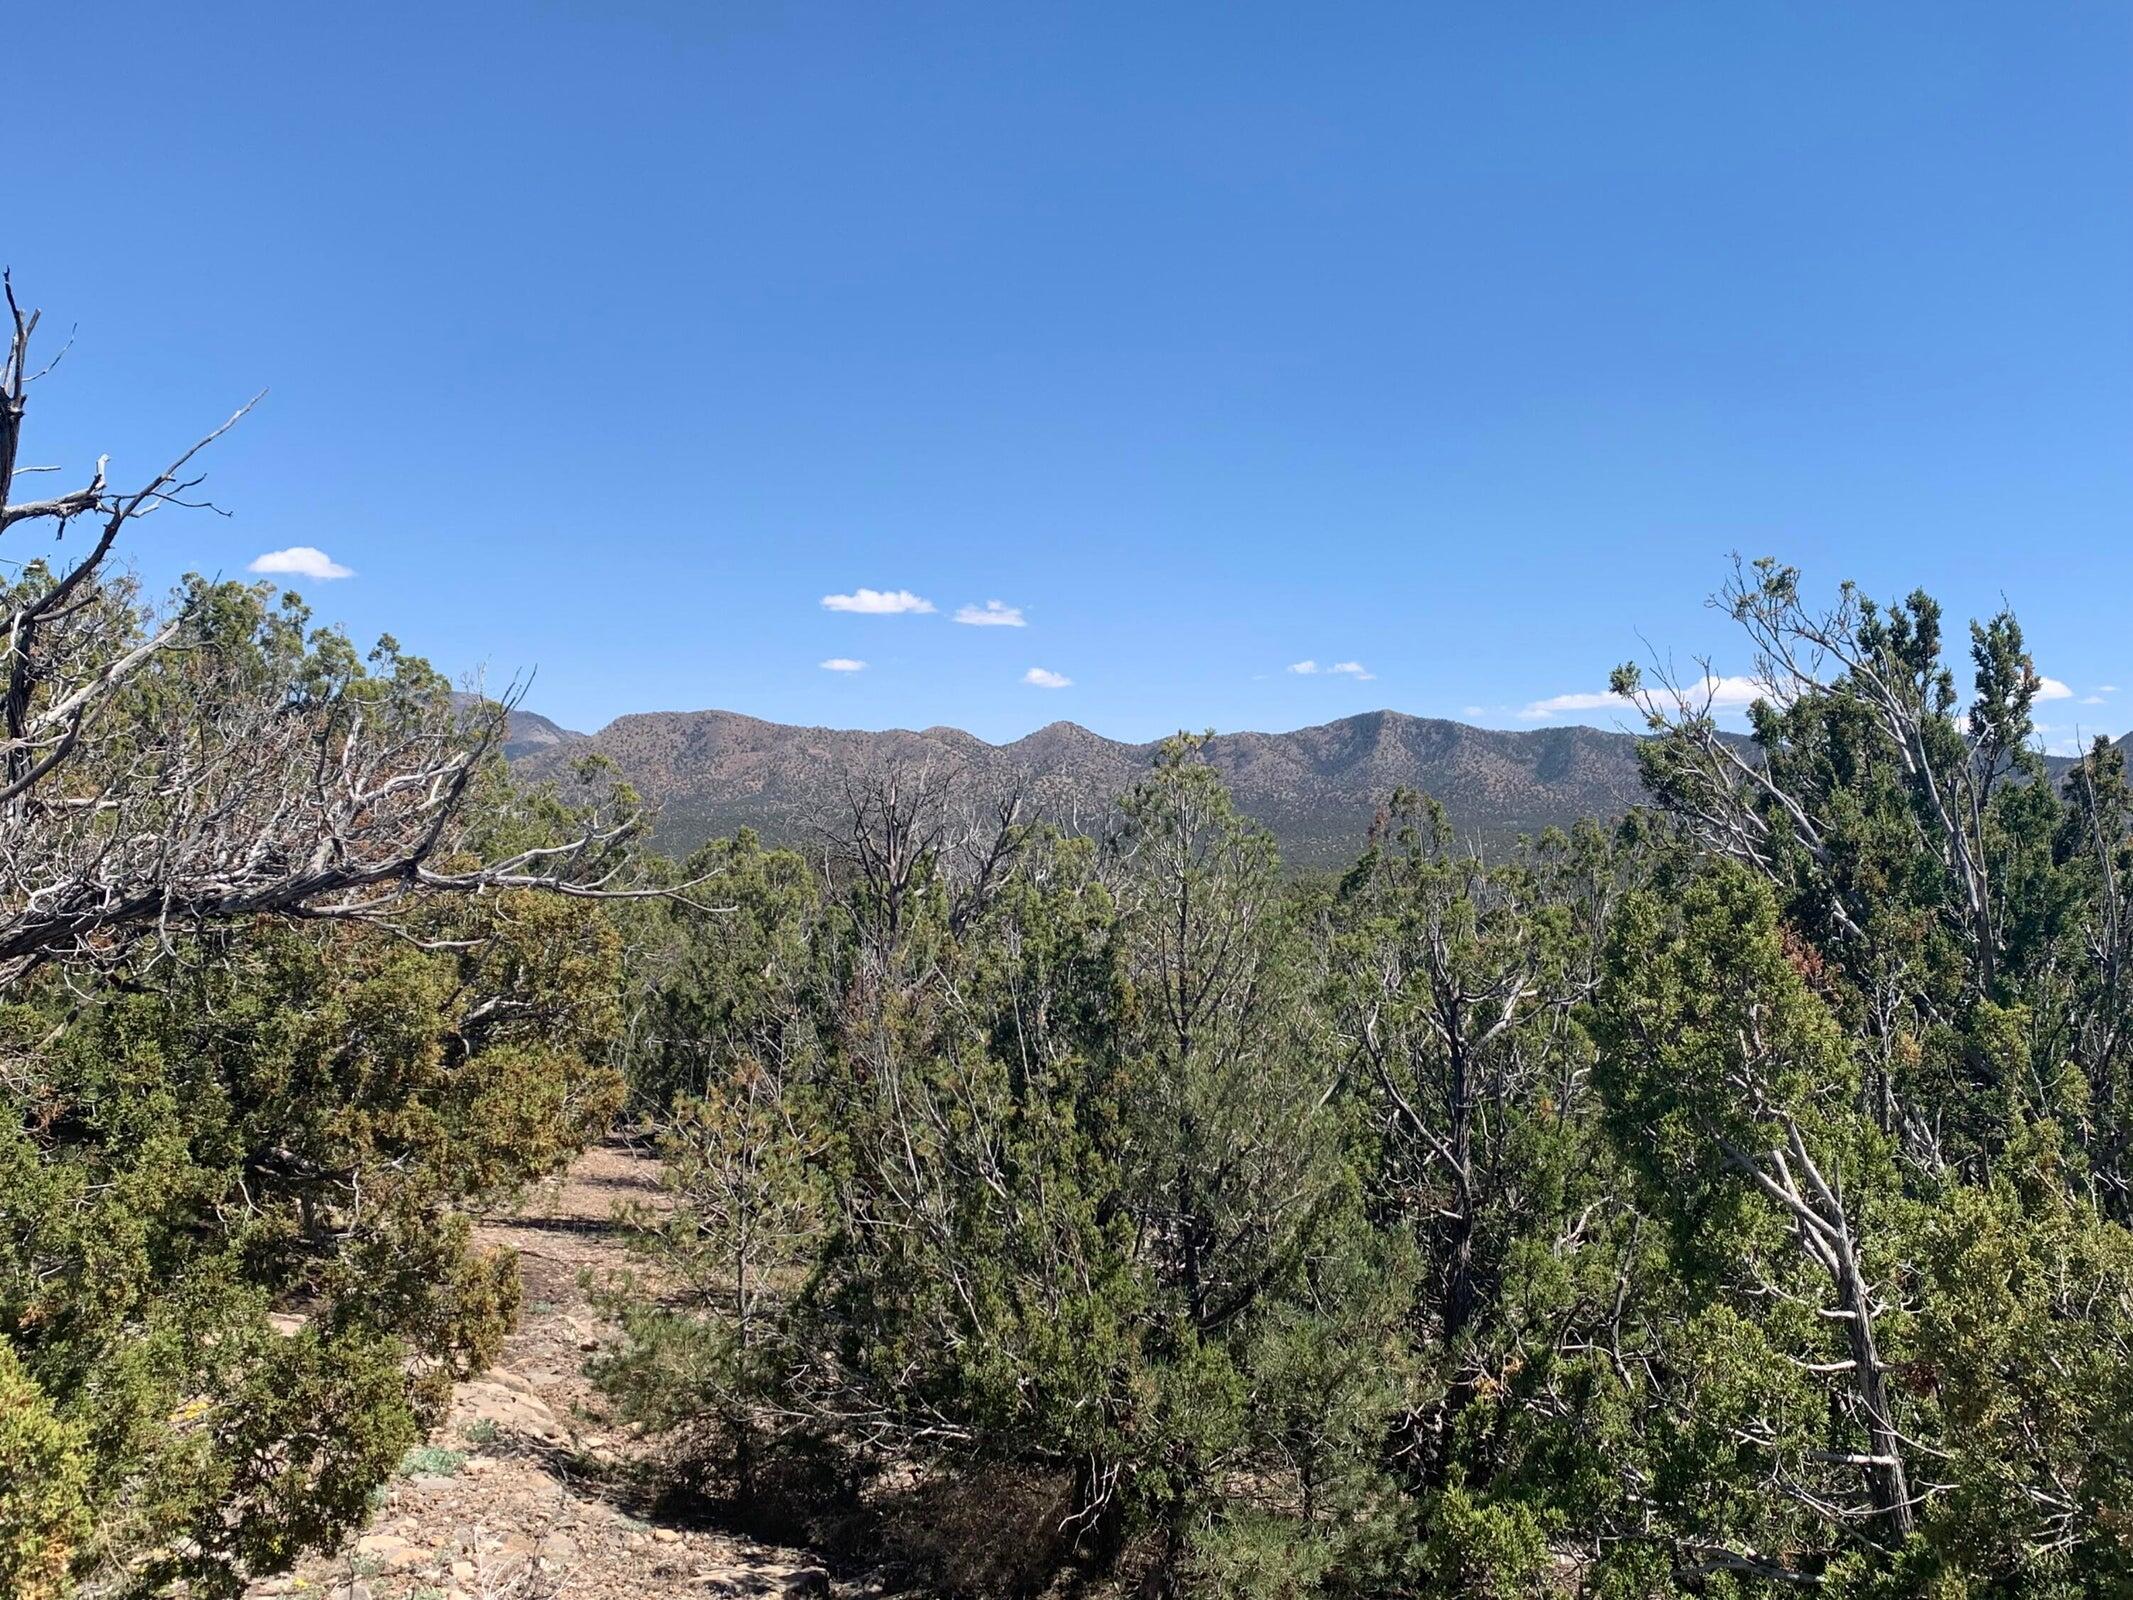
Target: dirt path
[(525, 1491)]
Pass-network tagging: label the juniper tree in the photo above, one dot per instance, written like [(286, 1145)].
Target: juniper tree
[(1726, 1207), (1913, 893), (250, 1062)]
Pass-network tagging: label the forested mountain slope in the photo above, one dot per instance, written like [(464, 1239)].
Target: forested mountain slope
[(711, 772)]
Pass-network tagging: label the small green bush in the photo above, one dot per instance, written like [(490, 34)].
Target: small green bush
[(43, 1510), (431, 1461)]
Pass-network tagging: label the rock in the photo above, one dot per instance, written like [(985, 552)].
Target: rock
[(391, 1552), (666, 1536), (511, 1406), (463, 1570), (807, 1584)]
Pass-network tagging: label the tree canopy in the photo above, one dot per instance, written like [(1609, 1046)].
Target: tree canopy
[(1730, 1201)]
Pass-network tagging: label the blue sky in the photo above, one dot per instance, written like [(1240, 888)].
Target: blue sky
[(1461, 343)]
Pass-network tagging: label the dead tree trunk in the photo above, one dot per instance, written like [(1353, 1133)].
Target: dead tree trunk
[(1816, 1209)]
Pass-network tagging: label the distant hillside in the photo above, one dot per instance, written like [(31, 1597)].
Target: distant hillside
[(527, 733), (711, 772)]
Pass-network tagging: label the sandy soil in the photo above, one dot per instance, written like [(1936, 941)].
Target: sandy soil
[(528, 1490)]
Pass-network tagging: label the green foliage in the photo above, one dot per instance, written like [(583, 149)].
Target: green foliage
[(238, 1167), (746, 1209), (430, 1461), (283, 1119), (1492, 1552), (1049, 1170), (44, 1510), (1731, 1206)]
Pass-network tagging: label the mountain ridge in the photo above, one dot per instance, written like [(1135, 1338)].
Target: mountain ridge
[(1316, 788)]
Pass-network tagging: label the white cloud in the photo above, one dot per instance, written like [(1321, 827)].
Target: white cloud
[(1304, 667), (1349, 669), (1471, 711), (302, 561), (1042, 678), (877, 602), (1735, 692), (1557, 704), (2093, 700), (2107, 688), (992, 614), (1731, 693), (843, 664)]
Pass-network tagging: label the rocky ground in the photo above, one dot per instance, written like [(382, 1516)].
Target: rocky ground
[(527, 1491)]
